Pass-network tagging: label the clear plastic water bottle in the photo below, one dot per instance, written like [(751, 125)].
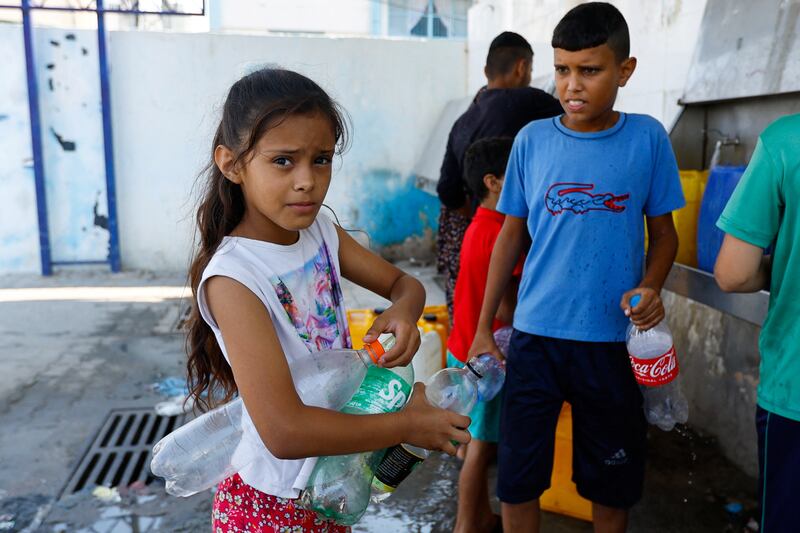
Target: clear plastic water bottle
[(655, 366), (456, 389), (502, 338), (210, 448), (339, 486)]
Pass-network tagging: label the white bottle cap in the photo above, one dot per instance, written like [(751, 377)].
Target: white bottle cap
[(387, 340)]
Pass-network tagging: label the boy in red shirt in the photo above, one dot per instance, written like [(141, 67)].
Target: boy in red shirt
[(484, 168)]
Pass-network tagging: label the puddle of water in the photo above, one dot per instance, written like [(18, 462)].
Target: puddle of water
[(424, 503), (115, 519), (386, 520)]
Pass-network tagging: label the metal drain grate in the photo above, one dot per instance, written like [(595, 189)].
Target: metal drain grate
[(120, 453)]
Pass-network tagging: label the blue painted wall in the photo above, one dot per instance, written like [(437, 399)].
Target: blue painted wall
[(391, 208)]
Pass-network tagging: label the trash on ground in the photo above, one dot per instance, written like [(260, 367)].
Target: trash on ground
[(7, 522), (106, 494), (172, 386), (174, 406)]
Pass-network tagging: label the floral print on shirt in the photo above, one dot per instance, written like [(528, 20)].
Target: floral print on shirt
[(317, 313)]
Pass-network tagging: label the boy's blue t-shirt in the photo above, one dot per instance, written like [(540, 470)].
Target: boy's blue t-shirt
[(584, 195)]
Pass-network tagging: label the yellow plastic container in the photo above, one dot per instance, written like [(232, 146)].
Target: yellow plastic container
[(430, 322), (442, 316), (693, 183), (360, 320), (562, 497)]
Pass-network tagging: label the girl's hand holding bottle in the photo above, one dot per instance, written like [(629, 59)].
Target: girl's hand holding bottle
[(400, 321), (433, 428)]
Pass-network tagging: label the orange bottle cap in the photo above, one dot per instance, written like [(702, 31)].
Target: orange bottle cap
[(375, 350)]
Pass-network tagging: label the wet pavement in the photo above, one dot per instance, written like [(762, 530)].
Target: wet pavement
[(70, 355)]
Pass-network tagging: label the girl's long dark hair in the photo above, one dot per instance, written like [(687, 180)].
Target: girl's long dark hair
[(255, 103)]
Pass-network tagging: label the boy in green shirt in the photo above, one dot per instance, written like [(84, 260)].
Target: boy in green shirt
[(764, 210)]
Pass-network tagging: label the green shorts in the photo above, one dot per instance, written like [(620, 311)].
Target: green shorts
[(485, 416)]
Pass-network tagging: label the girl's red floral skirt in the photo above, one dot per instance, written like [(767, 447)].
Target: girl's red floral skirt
[(240, 508)]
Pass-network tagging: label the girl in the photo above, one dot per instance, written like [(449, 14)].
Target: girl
[(266, 283)]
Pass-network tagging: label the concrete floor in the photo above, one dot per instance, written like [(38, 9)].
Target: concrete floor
[(80, 344)]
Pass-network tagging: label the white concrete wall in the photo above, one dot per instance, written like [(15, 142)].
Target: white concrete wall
[(393, 91), (342, 16), (167, 90), (19, 245), (663, 37)]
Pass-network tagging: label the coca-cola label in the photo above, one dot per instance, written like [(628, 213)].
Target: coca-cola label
[(657, 371)]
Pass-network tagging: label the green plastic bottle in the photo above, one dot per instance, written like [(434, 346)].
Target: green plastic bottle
[(339, 486)]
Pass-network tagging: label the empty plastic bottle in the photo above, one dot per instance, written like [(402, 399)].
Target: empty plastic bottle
[(655, 366), (339, 486), (210, 448), (456, 389), (502, 338)]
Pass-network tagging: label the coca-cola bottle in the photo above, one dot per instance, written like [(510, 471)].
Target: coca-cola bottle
[(655, 366)]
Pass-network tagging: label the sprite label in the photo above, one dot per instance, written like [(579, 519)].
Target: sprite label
[(382, 391)]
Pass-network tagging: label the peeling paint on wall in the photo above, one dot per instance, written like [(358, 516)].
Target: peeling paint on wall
[(67, 146), (101, 221), (72, 143), (393, 210)]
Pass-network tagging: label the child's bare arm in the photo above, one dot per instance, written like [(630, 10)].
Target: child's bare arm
[(291, 429), (741, 266), (505, 312), (406, 293), (662, 249), (506, 252)]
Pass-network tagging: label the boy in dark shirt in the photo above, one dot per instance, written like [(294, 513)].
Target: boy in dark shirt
[(500, 109)]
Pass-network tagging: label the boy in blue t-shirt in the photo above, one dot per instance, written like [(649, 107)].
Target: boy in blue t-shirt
[(579, 184)]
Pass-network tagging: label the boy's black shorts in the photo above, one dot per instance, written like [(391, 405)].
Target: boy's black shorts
[(608, 424)]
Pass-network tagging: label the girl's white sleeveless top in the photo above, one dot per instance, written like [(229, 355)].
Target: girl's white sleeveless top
[(300, 287)]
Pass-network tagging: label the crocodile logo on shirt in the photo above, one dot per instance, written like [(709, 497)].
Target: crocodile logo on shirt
[(576, 197)]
